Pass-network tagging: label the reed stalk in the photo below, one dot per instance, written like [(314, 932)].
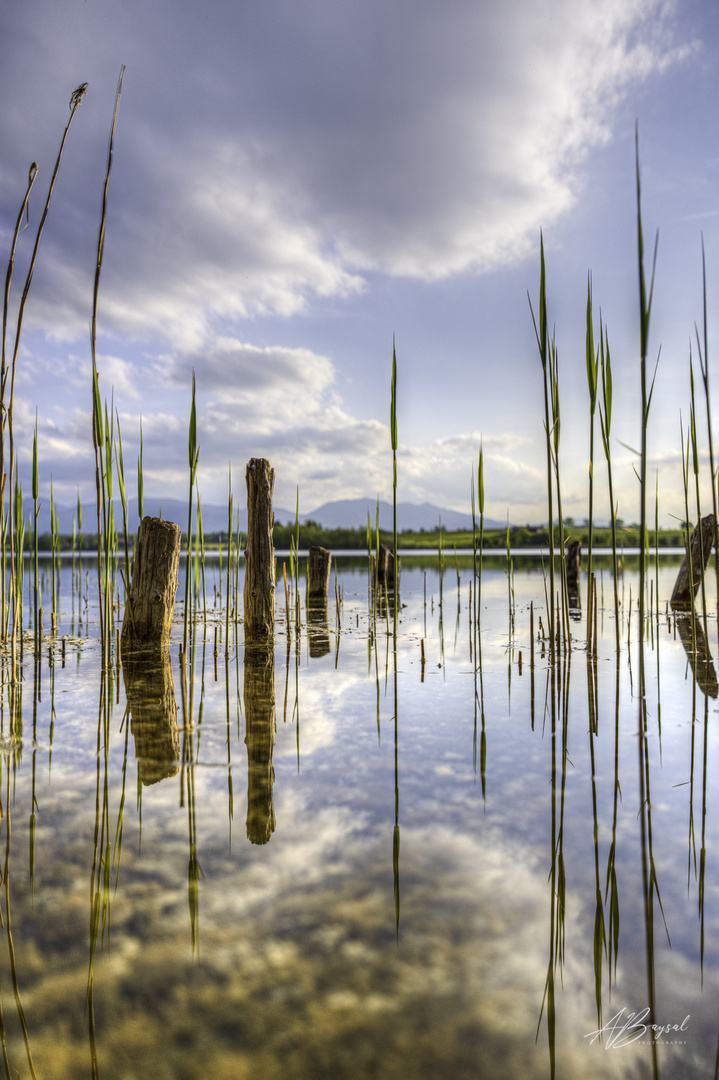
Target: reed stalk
[(704, 367), (393, 429), (229, 570), (140, 481), (3, 382), (480, 498), (193, 454), (542, 336), (123, 501), (200, 560), (647, 388), (649, 880), (695, 465), (36, 511), (97, 430), (16, 547), (605, 419), (7, 399), (592, 358), (555, 433), (440, 563), (510, 581), (79, 525), (54, 535)]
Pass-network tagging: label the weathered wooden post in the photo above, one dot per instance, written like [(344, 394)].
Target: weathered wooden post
[(392, 581), (318, 581), (573, 563), (385, 567), (147, 622), (259, 590), (318, 573), (382, 564), (573, 568), (260, 739), (145, 646), (701, 545)]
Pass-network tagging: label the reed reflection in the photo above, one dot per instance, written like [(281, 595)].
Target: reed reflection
[(260, 726), (10, 764)]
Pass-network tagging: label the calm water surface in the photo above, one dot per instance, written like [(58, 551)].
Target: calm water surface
[(335, 865)]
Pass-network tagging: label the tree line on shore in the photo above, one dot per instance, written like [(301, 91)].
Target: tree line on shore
[(345, 539)]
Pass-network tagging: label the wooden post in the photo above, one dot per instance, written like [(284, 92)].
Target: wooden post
[(573, 562), (148, 612), (260, 740), (259, 590), (382, 564), (392, 582), (684, 590), (318, 573)]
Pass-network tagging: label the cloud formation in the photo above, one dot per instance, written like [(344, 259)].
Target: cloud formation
[(263, 162), (276, 164)]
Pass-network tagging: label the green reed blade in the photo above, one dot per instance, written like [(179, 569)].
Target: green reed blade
[(140, 486), (192, 440), (193, 458)]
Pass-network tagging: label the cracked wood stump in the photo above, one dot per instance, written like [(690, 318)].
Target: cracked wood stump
[(701, 545), (151, 600), (259, 589), (318, 573)]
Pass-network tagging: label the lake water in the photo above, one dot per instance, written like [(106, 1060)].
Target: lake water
[(351, 864)]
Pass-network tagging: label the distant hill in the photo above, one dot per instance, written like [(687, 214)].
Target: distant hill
[(352, 513), (341, 514)]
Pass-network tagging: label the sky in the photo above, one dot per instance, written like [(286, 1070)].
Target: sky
[(294, 186)]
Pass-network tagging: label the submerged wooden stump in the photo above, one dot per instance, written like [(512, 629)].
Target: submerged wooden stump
[(700, 549), (318, 573), (573, 562), (393, 571), (385, 567), (260, 740), (259, 590), (151, 601), (381, 562), (573, 568)]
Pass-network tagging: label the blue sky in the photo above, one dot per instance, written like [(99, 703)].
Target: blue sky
[(295, 183)]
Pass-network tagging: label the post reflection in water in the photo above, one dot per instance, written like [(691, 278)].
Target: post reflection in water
[(698, 652), (260, 739), (150, 694), (318, 628)]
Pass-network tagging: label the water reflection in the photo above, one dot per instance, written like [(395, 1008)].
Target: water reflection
[(698, 652), (260, 739), (150, 695), (515, 882), (318, 628)]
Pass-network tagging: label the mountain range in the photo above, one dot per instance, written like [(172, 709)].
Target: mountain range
[(342, 513)]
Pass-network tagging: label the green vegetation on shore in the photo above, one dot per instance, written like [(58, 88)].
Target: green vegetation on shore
[(356, 539)]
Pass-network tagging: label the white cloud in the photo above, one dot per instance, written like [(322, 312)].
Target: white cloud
[(259, 167), (265, 167)]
